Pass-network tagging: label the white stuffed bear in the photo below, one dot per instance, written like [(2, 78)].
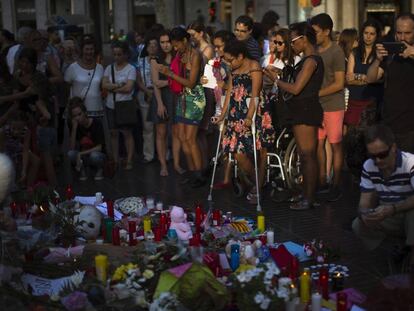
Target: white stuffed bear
[(91, 222)]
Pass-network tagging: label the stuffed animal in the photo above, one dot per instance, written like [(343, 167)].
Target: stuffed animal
[(90, 219), (179, 223), (247, 252)]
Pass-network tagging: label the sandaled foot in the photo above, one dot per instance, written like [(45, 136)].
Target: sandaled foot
[(164, 172), (179, 170)]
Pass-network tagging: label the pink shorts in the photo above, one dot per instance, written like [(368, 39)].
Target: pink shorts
[(332, 126)]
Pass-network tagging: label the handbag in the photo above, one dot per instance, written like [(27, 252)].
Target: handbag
[(125, 110)]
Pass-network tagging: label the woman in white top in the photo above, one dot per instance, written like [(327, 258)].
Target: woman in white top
[(122, 83), (84, 77)]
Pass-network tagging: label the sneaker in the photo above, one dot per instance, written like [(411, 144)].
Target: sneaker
[(301, 205), (83, 176), (99, 174)]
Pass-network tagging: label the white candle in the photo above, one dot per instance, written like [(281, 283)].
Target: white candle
[(316, 302), (291, 305), (270, 237), (150, 203), (98, 197)]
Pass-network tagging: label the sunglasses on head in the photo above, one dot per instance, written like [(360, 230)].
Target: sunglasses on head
[(279, 43), (381, 155)]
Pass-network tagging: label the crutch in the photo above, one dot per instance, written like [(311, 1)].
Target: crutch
[(255, 102), (221, 129)]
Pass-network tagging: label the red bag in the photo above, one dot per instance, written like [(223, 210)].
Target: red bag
[(176, 68)]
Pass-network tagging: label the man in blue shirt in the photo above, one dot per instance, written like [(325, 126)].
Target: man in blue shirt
[(243, 31)]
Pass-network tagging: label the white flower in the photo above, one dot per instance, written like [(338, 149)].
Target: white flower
[(265, 303), (259, 298)]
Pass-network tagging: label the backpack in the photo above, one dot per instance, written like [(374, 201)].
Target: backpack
[(177, 68)]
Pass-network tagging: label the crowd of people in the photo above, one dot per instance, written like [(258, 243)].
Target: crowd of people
[(154, 98)]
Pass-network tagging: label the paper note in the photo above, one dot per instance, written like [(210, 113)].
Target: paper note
[(296, 250), (103, 209), (85, 200), (209, 75)]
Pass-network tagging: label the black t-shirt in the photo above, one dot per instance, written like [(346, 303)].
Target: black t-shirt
[(399, 93), (90, 137)]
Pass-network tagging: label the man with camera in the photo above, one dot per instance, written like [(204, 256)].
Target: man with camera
[(386, 206), (395, 61)]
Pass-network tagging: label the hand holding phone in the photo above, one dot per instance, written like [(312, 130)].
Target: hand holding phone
[(394, 47)]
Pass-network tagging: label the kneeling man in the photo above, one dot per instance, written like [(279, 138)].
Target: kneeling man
[(386, 206)]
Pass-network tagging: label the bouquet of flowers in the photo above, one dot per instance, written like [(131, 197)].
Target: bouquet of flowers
[(320, 251), (257, 289)]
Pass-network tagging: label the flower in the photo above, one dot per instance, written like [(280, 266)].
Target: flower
[(122, 271), (267, 121), (217, 63), (265, 303), (75, 301), (239, 92), (259, 298)]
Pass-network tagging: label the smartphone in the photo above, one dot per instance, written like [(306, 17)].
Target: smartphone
[(394, 47)]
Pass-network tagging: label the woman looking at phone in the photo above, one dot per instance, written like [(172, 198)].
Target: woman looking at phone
[(191, 102)]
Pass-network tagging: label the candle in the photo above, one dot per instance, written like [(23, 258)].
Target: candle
[(157, 234), (150, 203), (235, 257), (132, 232), (163, 224), (261, 222), (159, 206), (270, 237), (116, 239), (216, 217), (316, 302), (108, 229), (147, 224), (98, 198), (293, 304), (110, 209), (69, 192), (305, 286), (198, 217), (13, 208), (101, 266), (337, 281), (341, 301), (324, 282)]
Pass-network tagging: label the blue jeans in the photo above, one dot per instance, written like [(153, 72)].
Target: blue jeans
[(95, 159)]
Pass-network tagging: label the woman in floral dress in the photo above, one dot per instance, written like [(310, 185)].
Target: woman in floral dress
[(245, 86)]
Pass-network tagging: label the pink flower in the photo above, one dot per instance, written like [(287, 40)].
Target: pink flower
[(233, 111), (238, 127), (233, 142), (258, 144), (238, 92), (266, 121)]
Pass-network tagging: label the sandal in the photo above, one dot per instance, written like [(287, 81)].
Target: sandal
[(164, 172), (180, 171), (302, 205)]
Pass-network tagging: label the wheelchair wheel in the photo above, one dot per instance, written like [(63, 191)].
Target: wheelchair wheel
[(238, 187), (291, 163)]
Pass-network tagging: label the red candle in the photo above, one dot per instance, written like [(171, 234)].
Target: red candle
[(116, 240), (69, 192), (198, 217), (324, 283), (13, 207), (216, 217), (294, 268), (132, 231), (163, 224), (196, 240), (341, 301), (157, 234), (110, 209)]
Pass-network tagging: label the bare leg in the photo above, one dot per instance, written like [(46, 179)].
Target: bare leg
[(321, 162), (338, 161), (245, 165), (161, 143), (262, 166), (191, 140), (176, 148), (186, 146), (306, 139), (329, 159), (130, 146)]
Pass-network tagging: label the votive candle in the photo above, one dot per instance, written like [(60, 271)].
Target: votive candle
[(101, 266), (316, 302)]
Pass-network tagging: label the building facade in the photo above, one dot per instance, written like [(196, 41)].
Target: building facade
[(108, 17)]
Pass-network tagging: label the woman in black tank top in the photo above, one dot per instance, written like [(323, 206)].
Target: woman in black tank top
[(303, 106)]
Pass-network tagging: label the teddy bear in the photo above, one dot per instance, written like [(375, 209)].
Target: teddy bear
[(179, 223), (247, 251)]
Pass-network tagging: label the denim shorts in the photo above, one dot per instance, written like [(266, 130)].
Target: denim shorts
[(46, 139)]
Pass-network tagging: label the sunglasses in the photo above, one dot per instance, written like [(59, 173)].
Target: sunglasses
[(279, 43), (294, 39), (381, 155)]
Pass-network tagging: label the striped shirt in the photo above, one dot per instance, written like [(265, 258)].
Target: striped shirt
[(396, 188), (253, 48)]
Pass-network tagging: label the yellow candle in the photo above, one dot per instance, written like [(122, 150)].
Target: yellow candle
[(101, 266), (261, 222), (147, 224), (305, 286)]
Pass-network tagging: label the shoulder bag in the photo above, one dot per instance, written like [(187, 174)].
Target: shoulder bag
[(125, 110)]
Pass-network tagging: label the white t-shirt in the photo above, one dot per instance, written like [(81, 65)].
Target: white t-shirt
[(121, 76), (11, 56), (278, 63), (79, 78)]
